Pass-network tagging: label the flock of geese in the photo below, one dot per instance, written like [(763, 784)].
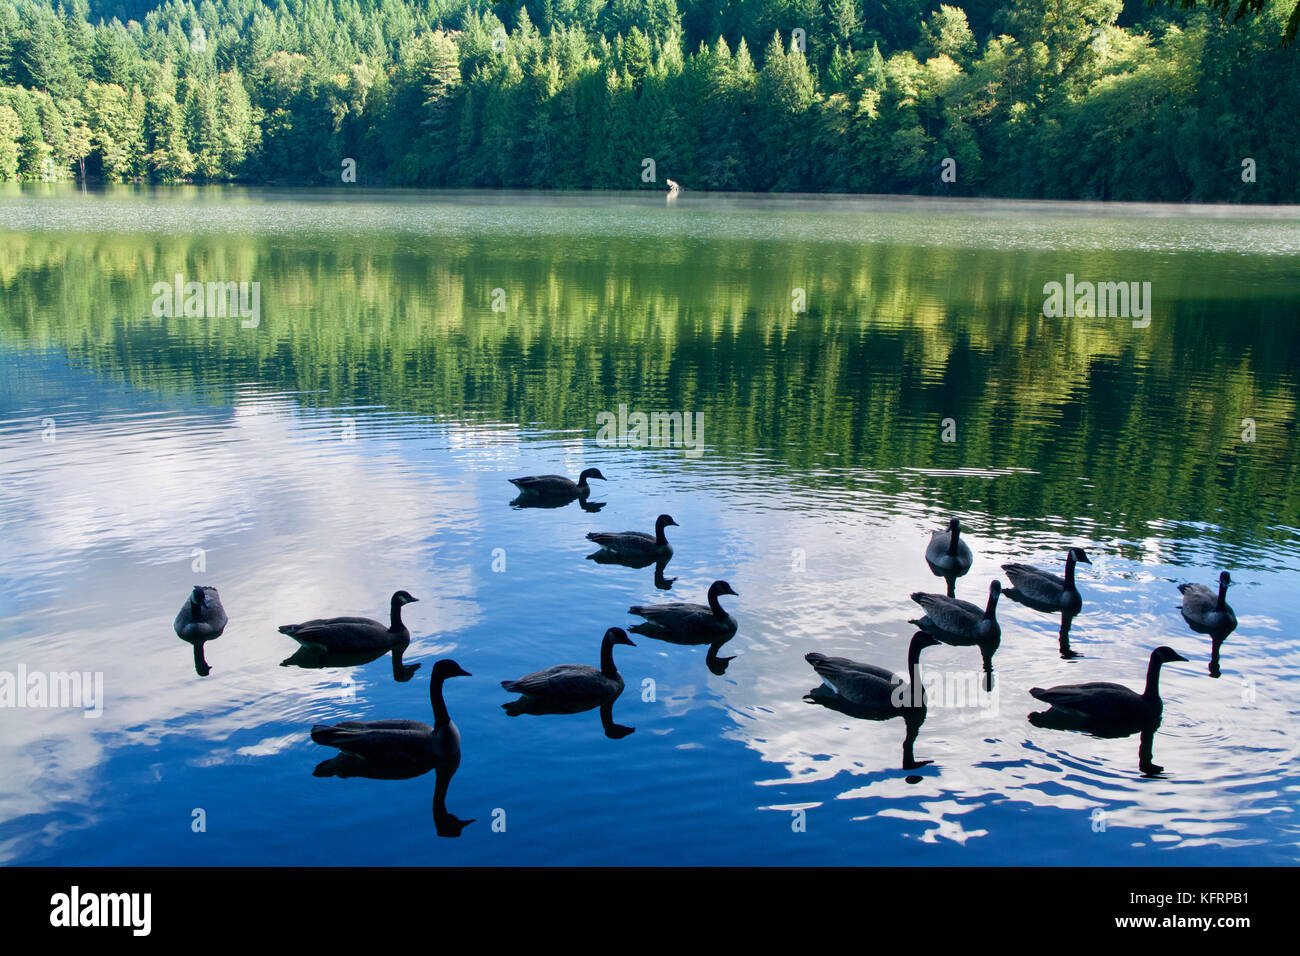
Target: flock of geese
[(399, 749)]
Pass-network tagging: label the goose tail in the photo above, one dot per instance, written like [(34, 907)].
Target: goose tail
[(331, 736)]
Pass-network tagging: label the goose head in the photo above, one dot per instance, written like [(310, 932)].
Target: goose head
[(663, 521), (199, 595), (591, 473), (923, 639), (616, 635), (721, 587), (446, 668), (995, 590), (402, 598), (1079, 555), (1166, 655), (1225, 579), (954, 526)]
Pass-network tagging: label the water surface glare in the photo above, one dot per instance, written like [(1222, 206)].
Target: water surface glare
[(358, 437)]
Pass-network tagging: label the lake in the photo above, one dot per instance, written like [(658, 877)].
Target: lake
[(854, 371)]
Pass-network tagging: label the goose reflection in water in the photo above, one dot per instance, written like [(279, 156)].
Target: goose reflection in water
[(1109, 710), (401, 749), (637, 561), (530, 501), (574, 688), (346, 765), (868, 692), (314, 657)]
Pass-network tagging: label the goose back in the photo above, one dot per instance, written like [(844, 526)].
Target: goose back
[(946, 552), (201, 617)]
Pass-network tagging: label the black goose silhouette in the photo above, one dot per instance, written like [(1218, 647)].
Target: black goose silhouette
[(691, 625), (1110, 710), (574, 688), (1043, 591), (354, 634), (402, 749), (948, 556), (637, 544), (1209, 613), (962, 624), (556, 491), (394, 741), (201, 619), (868, 692)]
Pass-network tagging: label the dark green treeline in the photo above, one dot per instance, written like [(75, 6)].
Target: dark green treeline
[(1087, 99)]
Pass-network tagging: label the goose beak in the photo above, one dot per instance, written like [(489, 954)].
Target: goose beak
[(1179, 657)]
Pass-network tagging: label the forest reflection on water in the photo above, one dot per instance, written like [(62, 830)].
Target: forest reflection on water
[(359, 440)]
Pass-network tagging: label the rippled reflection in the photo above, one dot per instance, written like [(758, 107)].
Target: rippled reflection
[(361, 438)]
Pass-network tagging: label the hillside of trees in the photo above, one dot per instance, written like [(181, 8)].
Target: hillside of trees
[(1079, 99)]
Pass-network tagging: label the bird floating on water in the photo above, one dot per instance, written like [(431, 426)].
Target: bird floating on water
[(201, 619), (1207, 612), (636, 543), (869, 692), (1043, 591), (947, 553), (354, 633), (557, 486), (1109, 710), (400, 743)]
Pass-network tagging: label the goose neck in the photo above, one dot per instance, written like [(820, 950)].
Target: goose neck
[(991, 609), (953, 536), (607, 658), (1222, 603), (395, 615), (440, 716), (660, 538), (1152, 691), (714, 606), (1069, 571), (914, 659)]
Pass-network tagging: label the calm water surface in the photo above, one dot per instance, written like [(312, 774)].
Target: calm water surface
[(359, 438)]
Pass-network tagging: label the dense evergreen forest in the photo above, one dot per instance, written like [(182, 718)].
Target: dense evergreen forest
[(1080, 99)]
